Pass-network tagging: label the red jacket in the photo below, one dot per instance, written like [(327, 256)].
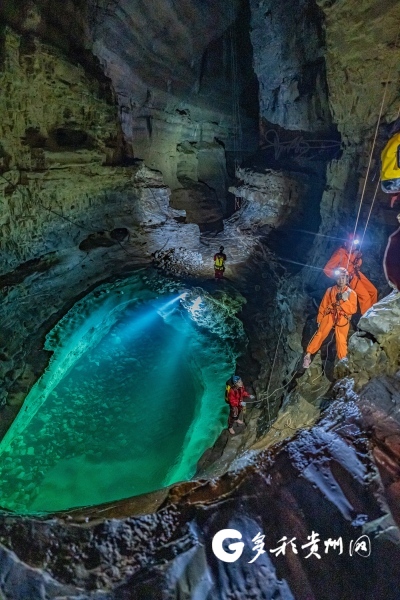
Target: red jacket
[(235, 396)]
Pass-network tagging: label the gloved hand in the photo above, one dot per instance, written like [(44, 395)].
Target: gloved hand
[(243, 404), (345, 295), (252, 397), (338, 297)]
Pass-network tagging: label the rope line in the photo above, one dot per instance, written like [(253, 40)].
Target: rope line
[(237, 126), (373, 146), (370, 211), (366, 176), (271, 372)]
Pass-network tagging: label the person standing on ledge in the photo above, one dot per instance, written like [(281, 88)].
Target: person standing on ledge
[(219, 264), (335, 311), (349, 257), (234, 394)]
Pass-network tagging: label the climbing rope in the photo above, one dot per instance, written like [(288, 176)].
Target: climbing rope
[(268, 396), (370, 211), (237, 126), (325, 361), (372, 149), (270, 374), (368, 169), (283, 387)]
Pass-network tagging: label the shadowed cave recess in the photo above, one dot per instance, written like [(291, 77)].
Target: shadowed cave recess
[(137, 138)]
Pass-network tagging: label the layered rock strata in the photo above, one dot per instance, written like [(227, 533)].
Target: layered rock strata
[(59, 139)]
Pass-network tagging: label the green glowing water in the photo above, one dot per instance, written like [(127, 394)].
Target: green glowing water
[(132, 415)]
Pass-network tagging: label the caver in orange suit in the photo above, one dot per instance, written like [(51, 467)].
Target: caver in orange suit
[(337, 314), (366, 292)]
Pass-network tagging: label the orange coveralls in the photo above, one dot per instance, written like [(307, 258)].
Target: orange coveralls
[(334, 314), (366, 292)]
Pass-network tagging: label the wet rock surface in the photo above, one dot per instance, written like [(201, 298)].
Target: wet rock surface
[(71, 179)]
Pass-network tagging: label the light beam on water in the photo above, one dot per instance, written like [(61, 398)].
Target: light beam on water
[(133, 413)]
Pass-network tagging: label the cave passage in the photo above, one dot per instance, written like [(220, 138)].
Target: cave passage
[(131, 412)]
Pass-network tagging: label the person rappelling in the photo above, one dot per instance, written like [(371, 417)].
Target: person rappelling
[(234, 394), (219, 264), (349, 257), (335, 311)]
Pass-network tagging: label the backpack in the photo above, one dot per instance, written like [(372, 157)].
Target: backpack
[(390, 159), (219, 261), (228, 387)]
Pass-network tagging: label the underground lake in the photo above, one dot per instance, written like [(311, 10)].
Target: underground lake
[(130, 400)]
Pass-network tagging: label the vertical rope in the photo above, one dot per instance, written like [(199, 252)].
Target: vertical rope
[(370, 211), (373, 145), (237, 127), (368, 169), (272, 370)]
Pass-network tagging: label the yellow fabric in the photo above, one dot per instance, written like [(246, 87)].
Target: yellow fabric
[(390, 168), (219, 261), (227, 390)]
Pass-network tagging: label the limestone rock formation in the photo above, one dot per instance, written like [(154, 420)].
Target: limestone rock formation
[(292, 73), (122, 125), (269, 198), (375, 348), (361, 56), (179, 87)]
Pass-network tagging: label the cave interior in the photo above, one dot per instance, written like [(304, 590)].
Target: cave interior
[(136, 139)]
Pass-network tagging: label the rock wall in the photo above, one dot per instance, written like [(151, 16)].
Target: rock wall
[(59, 139), (331, 74), (271, 197), (289, 60), (362, 55), (182, 87)]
